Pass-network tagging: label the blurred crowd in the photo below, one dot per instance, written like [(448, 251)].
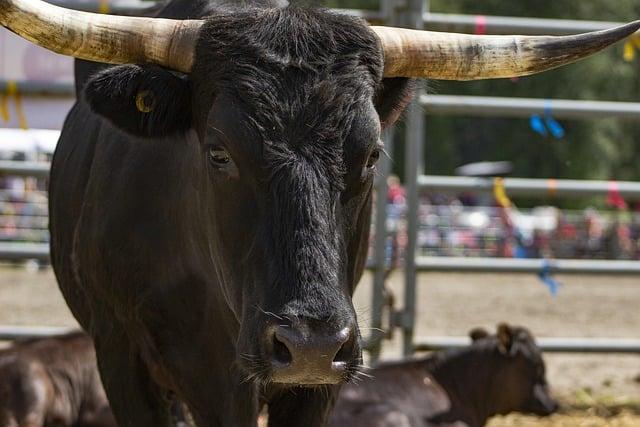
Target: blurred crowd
[(24, 213), (448, 226), (474, 226)]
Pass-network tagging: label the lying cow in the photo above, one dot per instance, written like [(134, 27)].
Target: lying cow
[(52, 382), (496, 374)]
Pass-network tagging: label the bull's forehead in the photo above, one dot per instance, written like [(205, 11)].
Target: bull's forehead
[(296, 73), (302, 113)]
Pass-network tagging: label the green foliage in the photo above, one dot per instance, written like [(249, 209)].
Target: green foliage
[(594, 149)]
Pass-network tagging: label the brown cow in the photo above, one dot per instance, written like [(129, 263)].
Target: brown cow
[(52, 382), (496, 374)]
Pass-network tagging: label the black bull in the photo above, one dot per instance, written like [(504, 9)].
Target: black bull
[(208, 230)]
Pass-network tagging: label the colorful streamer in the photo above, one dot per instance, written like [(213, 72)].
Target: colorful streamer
[(545, 276), (630, 47), (614, 198), (103, 7), (11, 90), (500, 193), (543, 125), (481, 24)]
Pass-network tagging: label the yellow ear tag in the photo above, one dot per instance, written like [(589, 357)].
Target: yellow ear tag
[(145, 101)]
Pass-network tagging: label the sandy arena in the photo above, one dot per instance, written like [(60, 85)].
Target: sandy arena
[(597, 390)]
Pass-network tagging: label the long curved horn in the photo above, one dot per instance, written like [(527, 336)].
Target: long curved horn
[(450, 56), (103, 38)]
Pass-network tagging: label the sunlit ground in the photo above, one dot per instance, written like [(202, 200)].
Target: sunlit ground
[(599, 390)]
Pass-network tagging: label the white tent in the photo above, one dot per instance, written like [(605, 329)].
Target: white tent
[(30, 141)]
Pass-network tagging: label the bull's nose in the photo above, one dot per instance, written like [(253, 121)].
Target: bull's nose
[(299, 356)]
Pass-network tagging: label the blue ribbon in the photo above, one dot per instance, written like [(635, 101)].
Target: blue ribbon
[(535, 121), (548, 124), (545, 276), (554, 127)]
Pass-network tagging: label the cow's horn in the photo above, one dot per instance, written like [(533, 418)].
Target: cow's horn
[(449, 56), (103, 38)]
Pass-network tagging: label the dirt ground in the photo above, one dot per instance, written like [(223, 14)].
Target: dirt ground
[(597, 390)]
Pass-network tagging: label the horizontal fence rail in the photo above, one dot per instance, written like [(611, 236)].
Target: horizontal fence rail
[(9, 333), (21, 250), (511, 25), (532, 187), (559, 345), (525, 107), (36, 88), (518, 265), (18, 168)]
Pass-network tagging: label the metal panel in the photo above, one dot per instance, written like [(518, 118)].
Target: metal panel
[(513, 265), (36, 88), (9, 333), (36, 169), (525, 107), (511, 25), (566, 188), (414, 165), (380, 244), (560, 345), (19, 251)]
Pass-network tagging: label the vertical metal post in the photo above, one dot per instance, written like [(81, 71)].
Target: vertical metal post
[(414, 166), (380, 246)]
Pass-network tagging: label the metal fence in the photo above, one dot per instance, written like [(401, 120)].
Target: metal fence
[(478, 226), (415, 14)]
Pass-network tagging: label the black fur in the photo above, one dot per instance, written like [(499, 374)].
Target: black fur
[(393, 96)]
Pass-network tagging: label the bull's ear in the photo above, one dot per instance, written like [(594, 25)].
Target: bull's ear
[(393, 96), (143, 100), (478, 333), (505, 338)]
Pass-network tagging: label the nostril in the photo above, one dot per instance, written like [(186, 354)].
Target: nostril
[(281, 353), (345, 353)]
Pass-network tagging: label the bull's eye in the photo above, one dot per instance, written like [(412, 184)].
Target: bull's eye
[(373, 158), (218, 156)]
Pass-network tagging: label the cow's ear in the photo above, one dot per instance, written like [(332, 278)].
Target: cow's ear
[(143, 100), (393, 96), (478, 333), (505, 338)]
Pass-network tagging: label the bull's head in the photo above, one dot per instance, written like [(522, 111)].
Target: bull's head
[(287, 107)]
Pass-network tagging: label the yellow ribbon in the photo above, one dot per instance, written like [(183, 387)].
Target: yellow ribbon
[(4, 108), (12, 91), (630, 47), (500, 194), (103, 7)]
